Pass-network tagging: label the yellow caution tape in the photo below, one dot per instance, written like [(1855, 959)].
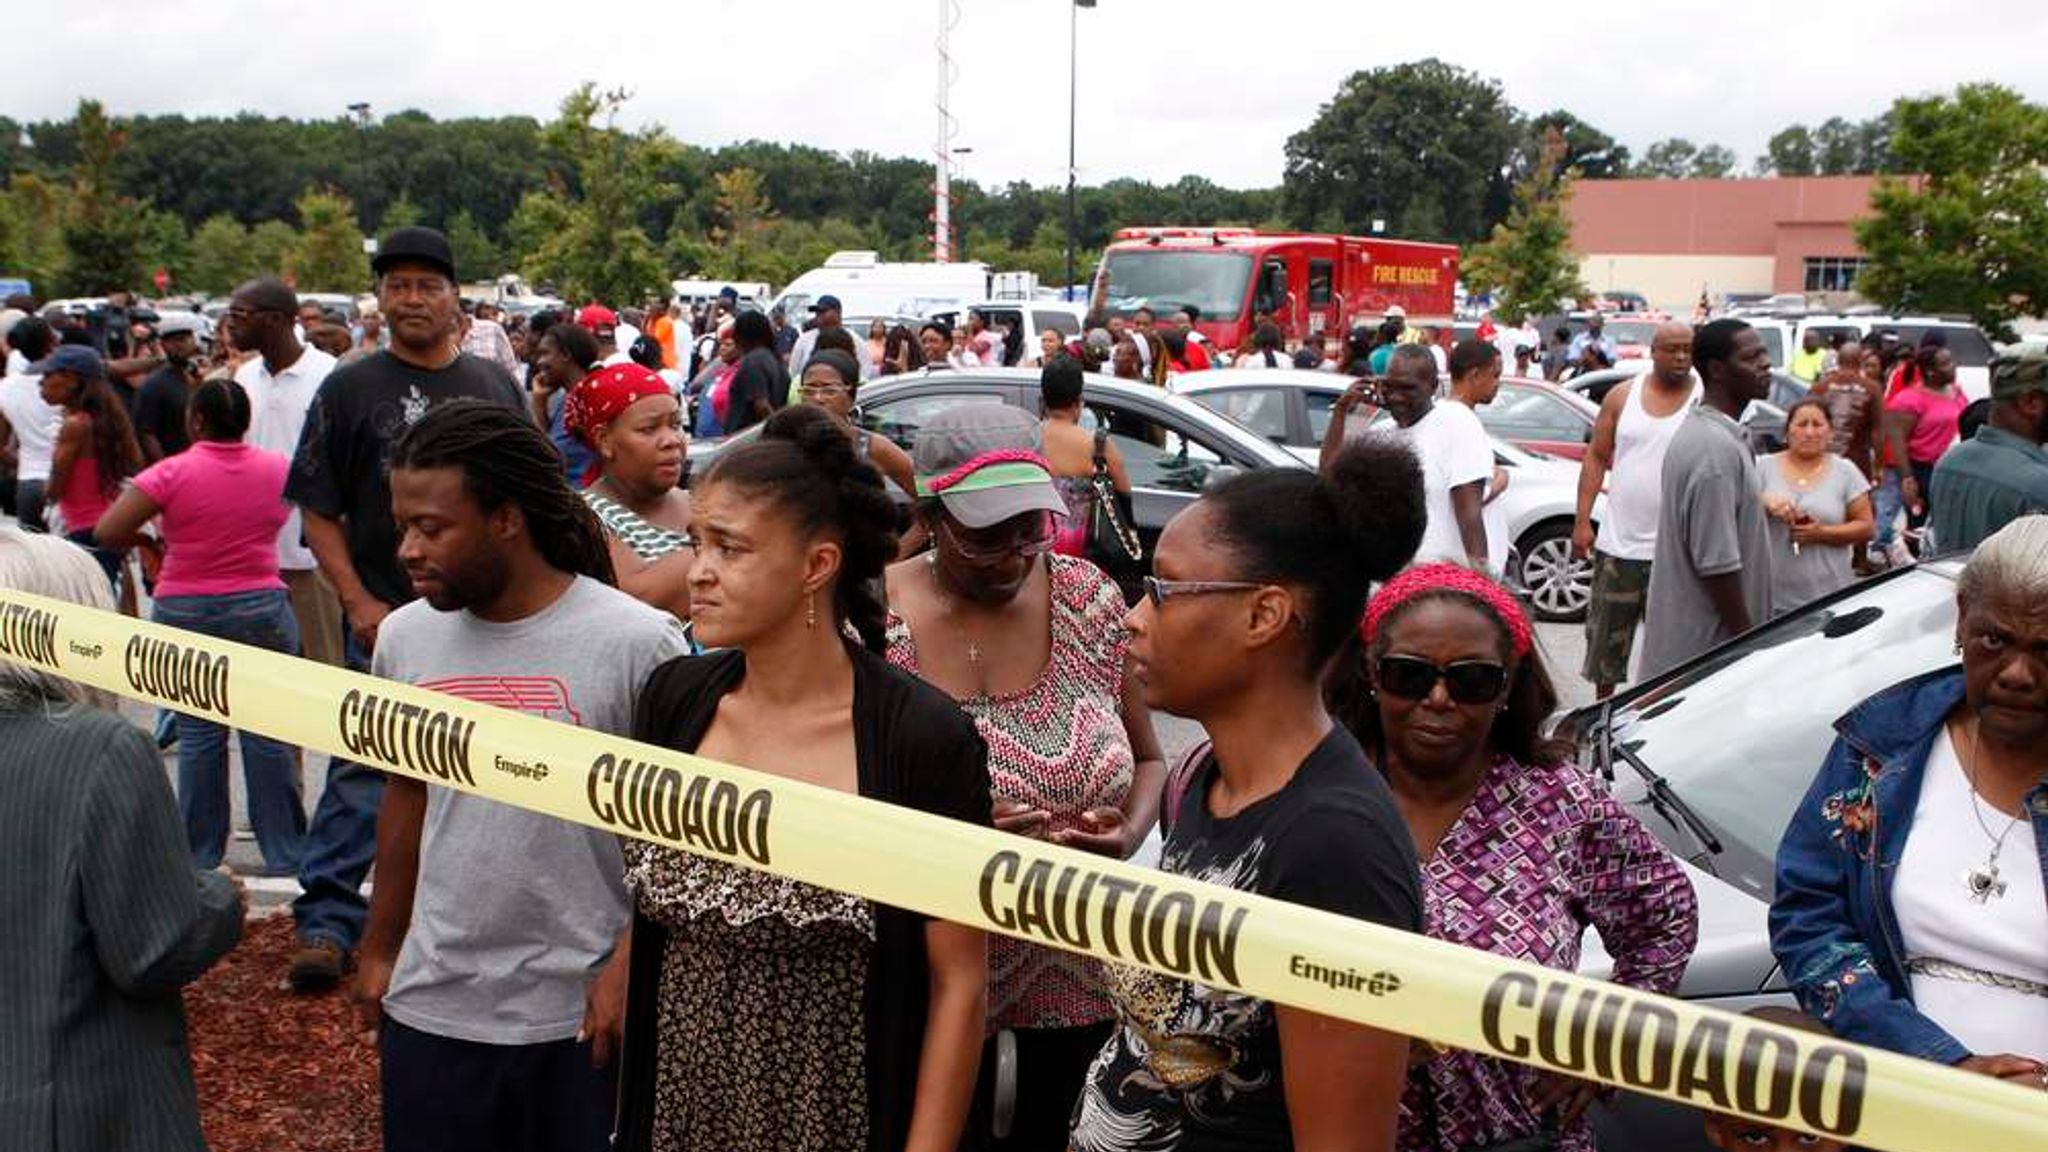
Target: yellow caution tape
[(1061, 897)]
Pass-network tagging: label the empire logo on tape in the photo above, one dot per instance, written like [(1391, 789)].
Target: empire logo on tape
[(1059, 897)]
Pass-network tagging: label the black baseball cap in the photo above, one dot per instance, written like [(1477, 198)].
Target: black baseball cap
[(421, 245), (826, 304)]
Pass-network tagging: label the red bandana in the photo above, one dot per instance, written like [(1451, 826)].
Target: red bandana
[(598, 398)]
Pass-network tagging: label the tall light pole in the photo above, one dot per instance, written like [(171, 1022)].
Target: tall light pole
[(960, 247), (1073, 115), (360, 113)]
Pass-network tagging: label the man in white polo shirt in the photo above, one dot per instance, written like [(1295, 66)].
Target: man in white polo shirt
[(281, 380)]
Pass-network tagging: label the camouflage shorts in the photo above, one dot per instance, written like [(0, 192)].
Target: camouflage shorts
[(1620, 589)]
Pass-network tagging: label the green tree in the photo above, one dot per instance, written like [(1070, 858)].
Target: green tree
[(611, 178), (1789, 153), (32, 230), (167, 246), (273, 249), (1528, 264), (400, 213), (222, 256), (330, 255), (742, 240), (1592, 153), (1677, 158), (1425, 146), (104, 232), (1970, 233), (476, 255)]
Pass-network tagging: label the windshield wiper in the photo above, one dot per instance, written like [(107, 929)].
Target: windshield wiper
[(1662, 796)]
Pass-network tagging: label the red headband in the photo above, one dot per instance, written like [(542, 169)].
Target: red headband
[(938, 484), (1425, 578), (598, 398)]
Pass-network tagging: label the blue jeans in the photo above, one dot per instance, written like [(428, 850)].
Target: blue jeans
[(1889, 501), (109, 560), (341, 844), (269, 768), (28, 505)]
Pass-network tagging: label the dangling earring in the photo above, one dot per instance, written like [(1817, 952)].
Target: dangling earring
[(810, 609)]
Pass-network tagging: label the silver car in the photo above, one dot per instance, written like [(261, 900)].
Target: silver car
[(1171, 445), (1713, 756), (1291, 408)]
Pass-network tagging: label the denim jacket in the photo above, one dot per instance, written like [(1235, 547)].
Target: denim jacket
[(1832, 924)]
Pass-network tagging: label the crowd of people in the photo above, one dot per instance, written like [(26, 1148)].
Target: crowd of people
[(499, 512)]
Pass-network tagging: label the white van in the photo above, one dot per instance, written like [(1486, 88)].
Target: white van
[(867, 285)]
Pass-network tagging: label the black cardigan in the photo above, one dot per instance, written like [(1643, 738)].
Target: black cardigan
[(914, 747)]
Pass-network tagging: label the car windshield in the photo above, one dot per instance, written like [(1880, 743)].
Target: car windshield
[(1966, 345), (1168, 278), (1631, 331), (1741, 735), (1774, 339)]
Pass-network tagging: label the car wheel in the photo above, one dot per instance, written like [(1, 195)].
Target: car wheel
[(1559, 585)]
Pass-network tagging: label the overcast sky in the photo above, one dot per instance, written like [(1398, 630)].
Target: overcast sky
[(1167, 87)]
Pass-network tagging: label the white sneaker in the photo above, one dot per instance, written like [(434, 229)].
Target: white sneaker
[(1898, 555)]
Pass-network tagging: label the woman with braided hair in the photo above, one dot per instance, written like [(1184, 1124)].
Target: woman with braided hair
[(1520, 852), (766, 1013)]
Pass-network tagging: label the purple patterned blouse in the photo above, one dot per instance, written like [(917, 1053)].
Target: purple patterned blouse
[(1540, 853)]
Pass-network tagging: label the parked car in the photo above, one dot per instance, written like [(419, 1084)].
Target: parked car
[(1765, 419), (1171, 445), (1292, 408), (1714, 755)]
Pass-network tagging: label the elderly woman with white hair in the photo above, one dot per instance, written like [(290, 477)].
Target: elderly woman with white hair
[(1910, 911), (102, 917)]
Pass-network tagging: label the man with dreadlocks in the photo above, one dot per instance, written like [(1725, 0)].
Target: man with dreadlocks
[(496, 954)]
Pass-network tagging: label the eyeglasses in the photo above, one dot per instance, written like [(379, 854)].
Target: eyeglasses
[(1160, 591), (978, 549), (1467, 681), (818, 391)]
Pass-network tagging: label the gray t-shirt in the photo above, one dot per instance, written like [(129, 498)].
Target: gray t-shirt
[(1816, 569), (1711, 523), (516, 912)]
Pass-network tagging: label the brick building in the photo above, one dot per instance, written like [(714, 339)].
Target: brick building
[(1673, 239)]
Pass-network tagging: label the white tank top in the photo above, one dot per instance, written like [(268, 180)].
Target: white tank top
[(1635, 484)]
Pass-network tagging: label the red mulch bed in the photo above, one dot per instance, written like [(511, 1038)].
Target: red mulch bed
[(278, 1072)]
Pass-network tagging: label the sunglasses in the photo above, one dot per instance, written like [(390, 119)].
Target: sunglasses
[(1160, 591), (970, 545), (1467, 681)]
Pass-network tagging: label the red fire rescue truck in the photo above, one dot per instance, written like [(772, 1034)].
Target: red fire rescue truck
[(1305, 283)]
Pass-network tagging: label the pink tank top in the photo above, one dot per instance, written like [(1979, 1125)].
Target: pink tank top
[(82, 503)]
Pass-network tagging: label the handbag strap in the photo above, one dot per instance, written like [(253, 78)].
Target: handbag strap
[(1177, 780), (1101, 452)]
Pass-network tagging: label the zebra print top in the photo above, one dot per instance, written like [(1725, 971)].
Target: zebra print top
[(649, 541)]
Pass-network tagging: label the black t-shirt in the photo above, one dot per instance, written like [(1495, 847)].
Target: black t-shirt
[(343, 466), (160, 408), (758, 375), (1197, 1068)]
